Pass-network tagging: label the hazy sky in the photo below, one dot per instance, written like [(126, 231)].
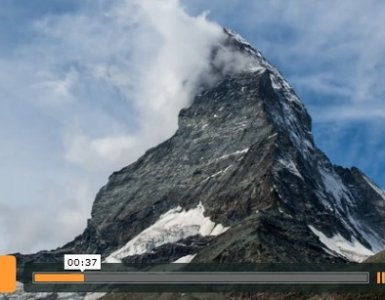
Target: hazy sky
[(87, 86)]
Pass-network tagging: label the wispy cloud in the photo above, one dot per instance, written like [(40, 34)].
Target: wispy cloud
[(348, 113), (47, 221), (151, 53), (100, 153), (96, 86)]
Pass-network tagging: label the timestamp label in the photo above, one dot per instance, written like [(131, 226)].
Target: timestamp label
[(82, 262)]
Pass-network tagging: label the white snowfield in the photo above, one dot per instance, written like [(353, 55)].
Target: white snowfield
[(171, 227), (339, 246)]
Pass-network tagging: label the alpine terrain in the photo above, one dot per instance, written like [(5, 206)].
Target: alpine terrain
[(241, 180)]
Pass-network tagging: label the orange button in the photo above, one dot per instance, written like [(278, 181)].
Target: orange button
[(7, 274)]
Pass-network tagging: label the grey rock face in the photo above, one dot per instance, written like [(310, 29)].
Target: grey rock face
[(244, 150)]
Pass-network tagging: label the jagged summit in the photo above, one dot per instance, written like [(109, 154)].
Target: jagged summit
[(241, 180)]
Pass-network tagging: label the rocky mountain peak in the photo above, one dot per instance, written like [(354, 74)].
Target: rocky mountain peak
[(241, 180)]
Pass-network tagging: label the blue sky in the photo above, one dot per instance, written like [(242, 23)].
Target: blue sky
[(87, 86)]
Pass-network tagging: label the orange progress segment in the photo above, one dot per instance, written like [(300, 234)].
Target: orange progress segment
[(380, 277), (58, 277), (7, 274)]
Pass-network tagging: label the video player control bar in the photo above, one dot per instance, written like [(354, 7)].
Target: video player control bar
[(168, 278)]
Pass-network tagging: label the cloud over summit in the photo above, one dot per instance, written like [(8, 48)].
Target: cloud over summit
[(105, 82)]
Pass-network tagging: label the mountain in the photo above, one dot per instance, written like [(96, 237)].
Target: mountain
[(241, 180)]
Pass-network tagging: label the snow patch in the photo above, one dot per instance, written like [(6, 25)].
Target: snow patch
[(174, 225), (353, 251), (275, 83), (334, 186), (375, 240), (308, 144), (375, 188), (238, 37), (279, 83), (238, 152), (185, 259), (256, 68), (94, 296), (219, 229), (273, 135), (290, 166), (219, 173)]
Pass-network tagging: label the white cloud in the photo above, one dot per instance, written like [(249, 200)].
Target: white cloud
[(57, 217), (100, 153), (54, 90), (157, 72), (347, 113), (104, 83), (171, 72)]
